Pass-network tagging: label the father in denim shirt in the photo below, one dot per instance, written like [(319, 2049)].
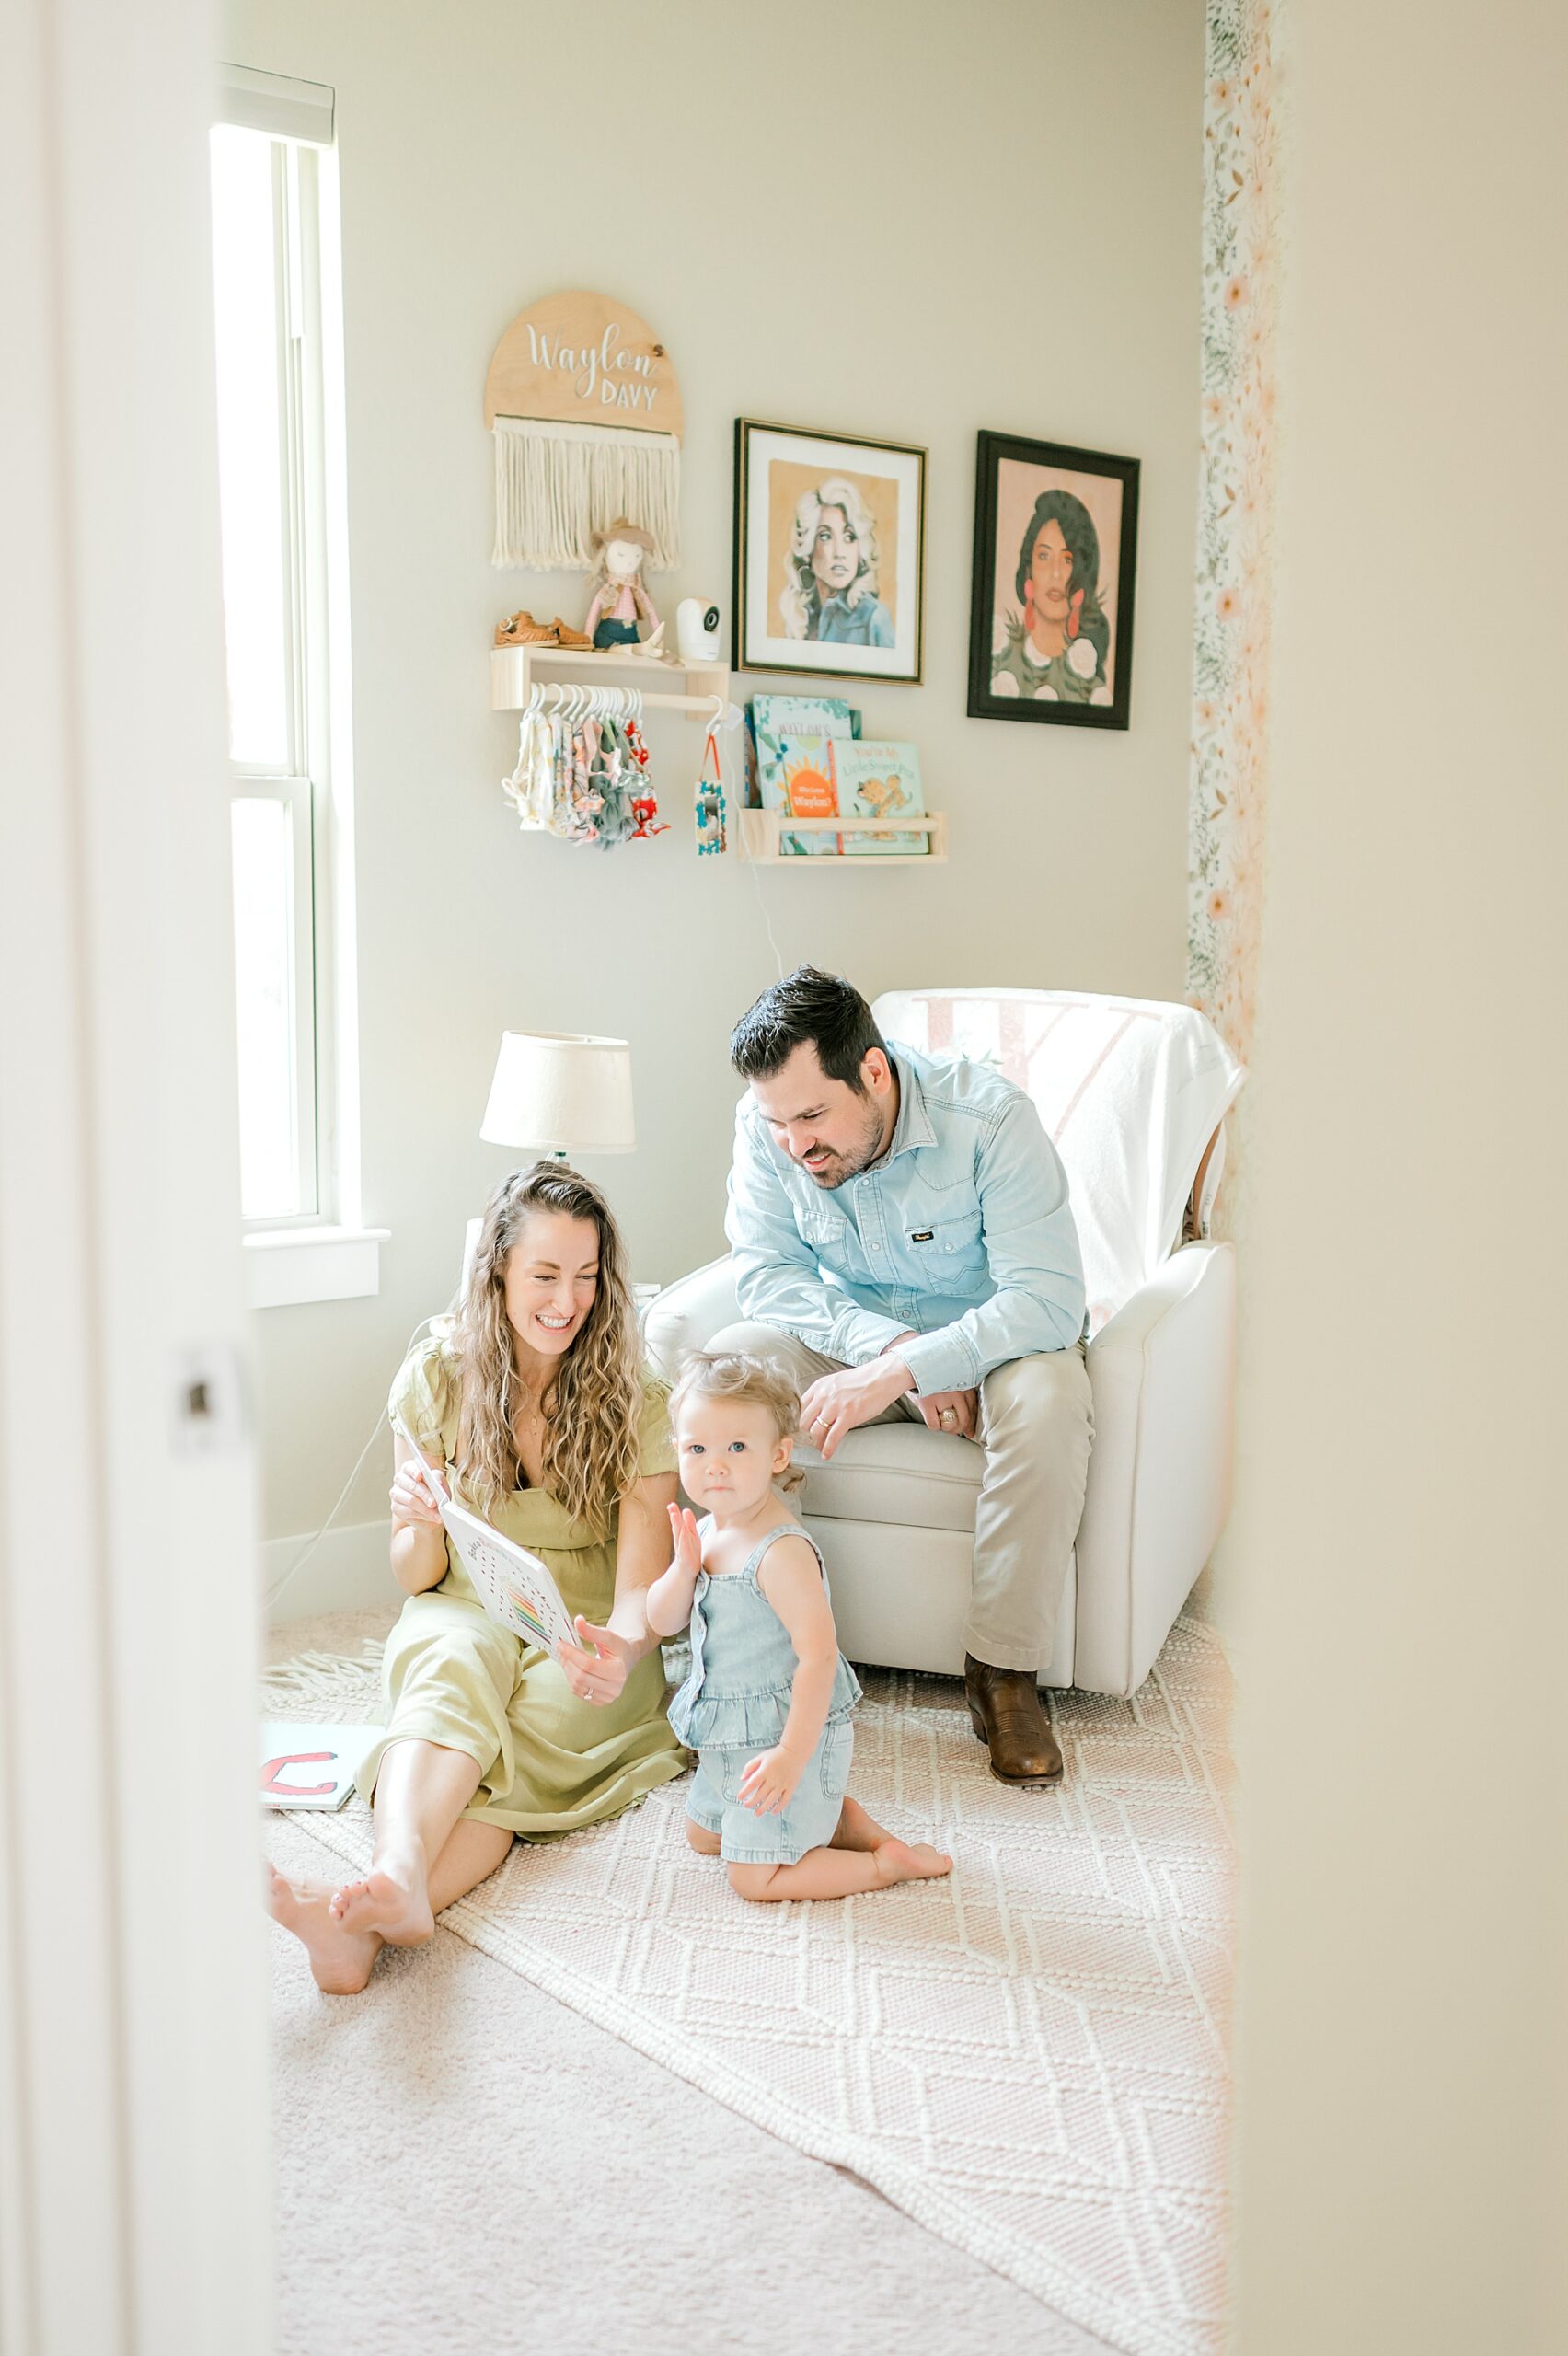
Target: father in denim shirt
[(902, 1244)]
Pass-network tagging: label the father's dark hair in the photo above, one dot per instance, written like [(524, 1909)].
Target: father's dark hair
[(807, 1005)]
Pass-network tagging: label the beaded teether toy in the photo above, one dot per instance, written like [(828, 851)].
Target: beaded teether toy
[(712, 835)]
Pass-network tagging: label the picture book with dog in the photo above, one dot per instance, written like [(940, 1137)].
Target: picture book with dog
[(879, 780)]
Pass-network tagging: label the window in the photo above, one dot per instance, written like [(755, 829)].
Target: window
[(279, 428)]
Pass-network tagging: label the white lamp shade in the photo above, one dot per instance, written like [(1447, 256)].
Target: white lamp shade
[(559, 1090)]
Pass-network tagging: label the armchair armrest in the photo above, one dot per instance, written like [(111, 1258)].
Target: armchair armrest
[(688, 1313), (1163, 1374)]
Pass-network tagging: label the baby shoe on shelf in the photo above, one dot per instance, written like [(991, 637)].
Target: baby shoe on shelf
[(521, 629)]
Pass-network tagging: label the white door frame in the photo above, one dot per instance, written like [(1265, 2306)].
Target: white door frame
[(135, 2178)]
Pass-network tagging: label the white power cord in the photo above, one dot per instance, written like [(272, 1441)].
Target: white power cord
[(312, 1544), (767, 920)]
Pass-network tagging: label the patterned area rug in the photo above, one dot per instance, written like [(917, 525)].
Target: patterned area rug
[(1029, 2057)]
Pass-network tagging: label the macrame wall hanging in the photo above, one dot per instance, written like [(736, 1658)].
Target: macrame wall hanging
[(586, 414)]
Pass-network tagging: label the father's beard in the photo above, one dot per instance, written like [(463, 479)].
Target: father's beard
[(868, 1148)]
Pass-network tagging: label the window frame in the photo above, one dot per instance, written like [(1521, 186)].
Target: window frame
[(321, 1250), (302, 785)]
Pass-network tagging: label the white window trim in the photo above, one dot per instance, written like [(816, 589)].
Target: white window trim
[(275, 103), (330, 1253), (287, 1267)]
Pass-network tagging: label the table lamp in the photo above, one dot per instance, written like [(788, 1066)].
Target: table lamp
[(560, 1092), (557, 1092)]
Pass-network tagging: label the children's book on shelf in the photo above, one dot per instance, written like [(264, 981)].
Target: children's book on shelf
[(770, 719), (809, 791), (311, 1766), (515, 1588), (879, 780)]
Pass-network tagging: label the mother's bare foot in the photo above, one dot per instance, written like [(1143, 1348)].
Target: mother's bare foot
[(910, 1861), (391, 1902), (340, 1960)]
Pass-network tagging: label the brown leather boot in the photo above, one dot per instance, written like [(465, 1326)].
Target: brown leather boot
[(1009, 1718)]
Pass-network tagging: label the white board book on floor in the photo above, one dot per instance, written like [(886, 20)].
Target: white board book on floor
[(515, 1588), (310, 1765)]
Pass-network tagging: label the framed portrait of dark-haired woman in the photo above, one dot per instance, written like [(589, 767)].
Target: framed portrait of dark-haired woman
[(1051, 611)]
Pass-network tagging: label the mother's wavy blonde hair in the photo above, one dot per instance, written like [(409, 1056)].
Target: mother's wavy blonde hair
[(593, 1403)]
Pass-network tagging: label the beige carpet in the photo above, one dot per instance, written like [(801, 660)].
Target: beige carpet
[(1027, 2059)]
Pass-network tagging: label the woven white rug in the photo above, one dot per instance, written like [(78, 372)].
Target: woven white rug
[(1028, 2058)]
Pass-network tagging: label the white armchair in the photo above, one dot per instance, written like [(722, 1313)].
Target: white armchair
[(1134, 1093)]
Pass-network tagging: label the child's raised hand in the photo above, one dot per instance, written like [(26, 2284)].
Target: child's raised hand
[(769, 1784), (687, 1544)]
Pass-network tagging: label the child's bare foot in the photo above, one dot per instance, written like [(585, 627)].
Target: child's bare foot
[(858, 1829), (910, 1861), (340, 1960), (391, 1901)]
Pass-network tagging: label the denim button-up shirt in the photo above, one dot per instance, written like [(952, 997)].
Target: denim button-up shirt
[(838, 623), (960, 1235)]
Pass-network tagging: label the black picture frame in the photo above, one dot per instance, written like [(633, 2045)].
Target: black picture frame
[(1056, 690), (901, 466)]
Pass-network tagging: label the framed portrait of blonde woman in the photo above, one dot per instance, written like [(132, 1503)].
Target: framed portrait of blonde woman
[(1051, 611), (830, 540)]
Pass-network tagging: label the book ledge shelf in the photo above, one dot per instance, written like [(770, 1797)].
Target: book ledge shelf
[(760, 830)]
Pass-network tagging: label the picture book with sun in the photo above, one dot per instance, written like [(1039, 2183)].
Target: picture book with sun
[(772, 718), (808, 790)]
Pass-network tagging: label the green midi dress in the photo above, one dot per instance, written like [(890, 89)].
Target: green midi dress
[(548, 1764)]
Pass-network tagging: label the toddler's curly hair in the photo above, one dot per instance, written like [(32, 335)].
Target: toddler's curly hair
[(750, 1382)]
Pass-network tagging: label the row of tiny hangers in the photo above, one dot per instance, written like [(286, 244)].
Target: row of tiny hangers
[(571, 702), (582, 765)]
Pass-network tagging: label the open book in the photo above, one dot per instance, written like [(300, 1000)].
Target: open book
[(514, 1586), (311, 1766)]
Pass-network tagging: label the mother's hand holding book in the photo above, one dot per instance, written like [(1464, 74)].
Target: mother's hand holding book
[(596, 1668), (411, 1496)]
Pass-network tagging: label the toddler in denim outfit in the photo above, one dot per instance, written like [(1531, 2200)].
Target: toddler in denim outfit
[(767, 1706)]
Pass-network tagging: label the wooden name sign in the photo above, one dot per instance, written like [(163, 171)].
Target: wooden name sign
[(583, 359)]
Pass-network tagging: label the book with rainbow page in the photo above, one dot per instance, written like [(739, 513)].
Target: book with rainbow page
[(515, 1588), (879, 779), (774, 719)]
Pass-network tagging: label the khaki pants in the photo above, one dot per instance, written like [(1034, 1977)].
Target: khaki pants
[(1036, 1423)]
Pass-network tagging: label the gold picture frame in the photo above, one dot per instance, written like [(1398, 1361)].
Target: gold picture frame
[(831, 586)]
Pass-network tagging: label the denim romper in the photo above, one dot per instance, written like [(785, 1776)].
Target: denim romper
[(733, 1705)]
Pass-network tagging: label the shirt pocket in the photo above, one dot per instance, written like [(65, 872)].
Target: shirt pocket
[(948, 1246), (834, 1241)]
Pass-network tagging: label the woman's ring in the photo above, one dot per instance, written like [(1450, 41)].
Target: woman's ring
[(947, 1418)]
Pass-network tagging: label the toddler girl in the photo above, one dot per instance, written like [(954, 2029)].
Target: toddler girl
[(767, 1705)]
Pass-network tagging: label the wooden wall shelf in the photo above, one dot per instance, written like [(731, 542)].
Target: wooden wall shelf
[(760, 830), (513, 670)]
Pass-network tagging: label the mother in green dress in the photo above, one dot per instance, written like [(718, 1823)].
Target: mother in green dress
[(536, 1407)]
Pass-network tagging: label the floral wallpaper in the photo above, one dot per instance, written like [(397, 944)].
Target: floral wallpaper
[(1230, 665)]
